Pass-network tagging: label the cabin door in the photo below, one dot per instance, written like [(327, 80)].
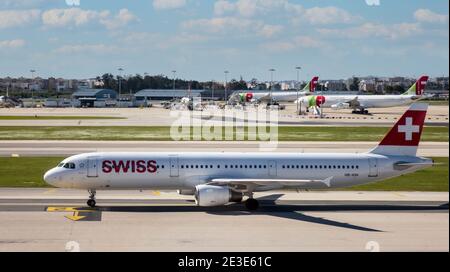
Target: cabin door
[(373, 167)]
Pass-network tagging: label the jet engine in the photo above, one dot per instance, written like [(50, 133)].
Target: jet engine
[(186, 192), (210, 195)]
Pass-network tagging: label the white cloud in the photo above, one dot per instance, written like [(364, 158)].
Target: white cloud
[(224, 25), (368, 30), (71, 16), (327, 15), (249, 8), (14, 18), (296, 12), (7, 44), (79, 17), (427, 16), (295, 43), (270, 30), (25, 3), (123, 18), (86, 48), (168, 4)]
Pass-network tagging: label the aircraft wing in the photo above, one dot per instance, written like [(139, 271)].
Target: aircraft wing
[(265, 182)]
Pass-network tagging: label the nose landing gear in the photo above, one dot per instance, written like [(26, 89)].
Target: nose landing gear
[(91, 202)]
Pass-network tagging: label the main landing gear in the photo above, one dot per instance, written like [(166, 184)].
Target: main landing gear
[(91, 202), (361, 111), (251, 204)]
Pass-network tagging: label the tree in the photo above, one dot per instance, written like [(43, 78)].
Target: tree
[(355, 84)]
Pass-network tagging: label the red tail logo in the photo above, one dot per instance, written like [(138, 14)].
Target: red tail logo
[(409, 128), (313, 84), (421, 84)]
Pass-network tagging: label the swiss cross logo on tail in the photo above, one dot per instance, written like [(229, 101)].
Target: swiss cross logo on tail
[(409, 129)]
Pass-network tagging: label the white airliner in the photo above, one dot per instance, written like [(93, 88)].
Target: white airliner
[(360, 103), (220, 178), (276, 96)]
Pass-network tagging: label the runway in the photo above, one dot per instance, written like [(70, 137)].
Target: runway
[(68, 148), (57, 220)]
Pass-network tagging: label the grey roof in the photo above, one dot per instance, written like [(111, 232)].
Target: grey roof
[(167, 93), (90, 92)]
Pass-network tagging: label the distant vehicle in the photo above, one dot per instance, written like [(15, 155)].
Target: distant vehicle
[(220, 178), (277, 96), (9, 102), (360, 103)]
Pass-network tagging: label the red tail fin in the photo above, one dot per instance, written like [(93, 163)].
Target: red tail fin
[(313, 84), (421, 84), (404, 137)]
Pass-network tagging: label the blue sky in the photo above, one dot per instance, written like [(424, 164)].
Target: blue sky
[(202, 38)]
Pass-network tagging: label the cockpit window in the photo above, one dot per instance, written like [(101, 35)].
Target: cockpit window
[(61, 164), (69, 165)]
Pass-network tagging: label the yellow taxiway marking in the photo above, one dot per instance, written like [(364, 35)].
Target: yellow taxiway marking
[(75, 216), (156, 193), (67, 209), (50, 191)]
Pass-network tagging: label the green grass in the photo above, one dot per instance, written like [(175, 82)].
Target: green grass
[(435, 134), (25, 172), (40, 117), (437, 103), (433, 179), (28, 172)]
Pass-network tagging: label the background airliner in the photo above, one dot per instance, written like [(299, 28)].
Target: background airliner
[(220, 178), (360, 103), (275, 96)]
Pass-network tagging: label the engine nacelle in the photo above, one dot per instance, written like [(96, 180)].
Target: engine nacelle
[(186, 192), (210, 195), (340, 106)]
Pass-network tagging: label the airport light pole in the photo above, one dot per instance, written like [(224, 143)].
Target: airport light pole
[(226, 85), (120, 84), (174, 75), (271, 84), (32, 91), (298, 68)]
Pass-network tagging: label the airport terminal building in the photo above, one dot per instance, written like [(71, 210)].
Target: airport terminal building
[(147, 95), (94, 98)]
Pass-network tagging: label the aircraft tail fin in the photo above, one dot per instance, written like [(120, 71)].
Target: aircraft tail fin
[(311, 86), (404, 137), (418, 88)]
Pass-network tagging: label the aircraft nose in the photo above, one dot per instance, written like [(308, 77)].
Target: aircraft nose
[(50, 177)]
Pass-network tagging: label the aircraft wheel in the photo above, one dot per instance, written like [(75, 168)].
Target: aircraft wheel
[(251, 204), (366, 112), (91, 203)]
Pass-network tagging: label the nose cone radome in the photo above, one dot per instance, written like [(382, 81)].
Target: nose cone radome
[(50, 177)]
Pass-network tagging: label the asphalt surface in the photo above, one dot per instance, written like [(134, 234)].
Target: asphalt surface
[(58, 220)]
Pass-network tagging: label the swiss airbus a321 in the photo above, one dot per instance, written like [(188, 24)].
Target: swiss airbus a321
[(221, 178)]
